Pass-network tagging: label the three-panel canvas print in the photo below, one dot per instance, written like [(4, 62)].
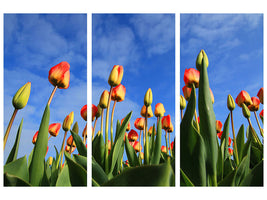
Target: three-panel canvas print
[(156, 117)]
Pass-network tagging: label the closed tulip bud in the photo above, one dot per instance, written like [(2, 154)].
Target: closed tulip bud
[(150, 131), (170, 129), (218, 126), (94, 111), (84, 134), (172, 144), (148, 98), (59, 75), (109, 145), (68, 121), (230, 151), (137, 146), (75, 128), (128, 126), (230, 103), (211, 96), (163, 149), (229, 141), (260, 95), (70, 141), (262, 114), (84, 112), (166, 122), (118, 93), (99, 111), (245, 111), (182, 102), (103, 102), (132, 135), (35, 137), (187, 92), (21, 97), (67, 148), (142, 155), (202, 55), (159, 110), (50, 160), (115, 76), (255, 104), (219, 135), (243, 97), (139, 123), (149, 111), (54, 129), (191, 76)]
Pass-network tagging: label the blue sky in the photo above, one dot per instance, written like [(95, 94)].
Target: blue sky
[(33, 43), (144, 44), (234, 45)]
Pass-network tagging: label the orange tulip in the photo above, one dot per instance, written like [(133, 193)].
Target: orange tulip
[(67, 148), (191, 76), (94, 111), (132, 135), (218, 126), (166, 122), (35, 137), (150, 131), (229, 141), (163, 149), (54, 129), (149, 111), (262, 114), (139, 123), (255, 104), (70, 141), (84, 112), (115, 76), (118, 93), (231, 151), (187, 92), (128, 126), (136, 146), (159, 110), (59, 75), (243, 97), (260, 95)]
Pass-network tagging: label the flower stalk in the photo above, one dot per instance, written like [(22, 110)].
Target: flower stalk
[(9, 126)]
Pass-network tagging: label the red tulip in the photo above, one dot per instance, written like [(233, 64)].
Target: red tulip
[(133, 135), (218, 126), (84, 112), (166, 122), (128, 126), (260, 95), (187, 92), (139, 123), (136, 146), (70, 141), (59, 75), (54, 129), (219, 134), (243, 97), (94, 111), (255, 104), (35, 137), (163, 149), (231, 151), (191, 76), (118, 93), (229, 141), (172, 145), (262, 114)]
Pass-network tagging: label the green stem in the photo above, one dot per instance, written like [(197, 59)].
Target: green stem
[(167, 151), (262, 135), (49, 137), (235, 144), (196, 120), (9, 126), (93, 134), (102, 121), (111, 123), (253, 132), (51, 96), (140, 144), (62, 148), (106, 132), (181, 115), (85, 136), (170, 142)]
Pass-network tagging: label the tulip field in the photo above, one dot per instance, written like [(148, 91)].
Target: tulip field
[(35, 169), (208, 156), (148, 163)]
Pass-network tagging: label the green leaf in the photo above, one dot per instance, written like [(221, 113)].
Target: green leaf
[(98, 149), (207, 122), (79, 143), (63, 177), (152, 143), (242, 170), (225, 136), (240, 141), (98, 174), (184, 180), (192, 150), (37, 164), (18, 168), (77, 174), (228, 180), (118, 126), (146, 150), (14, 152), (148, 175), (117, 166), (220, 162), (255, 177), (131, 155), (11, 180), (82, 160), (155, 158)]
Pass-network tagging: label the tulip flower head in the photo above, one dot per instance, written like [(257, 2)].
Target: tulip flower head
[(243, 97), (150, 131), (187, 92), (159, 110), (148, 98), (21, 97), (149, 111), (35, 137), (132, 135), (219, 135), (67, 148), (94, 111), (166, 122), (182, 102), (50, 160), (70, 141), (54, 129), (245, 111), (229, 141), (260, 95), (230, 103), (202, 55), (118, 93), (68, 121), (262, 114), (218, 126), (191, 76), (128, 126), (84, 112), (116, 75), (172, 144), (230, 151), (103, 102), (99, 111), (163, 149), (255, 104), (139, 123), (136, 146), (59, 75)]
